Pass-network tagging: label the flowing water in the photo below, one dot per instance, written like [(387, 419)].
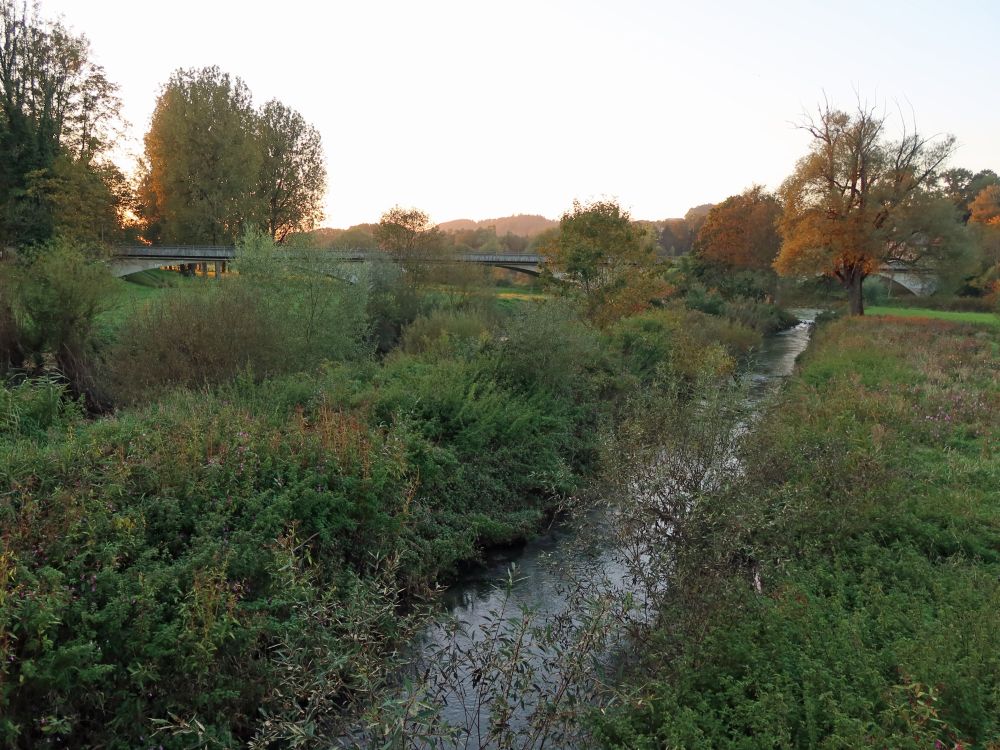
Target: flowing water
[(539, 585)]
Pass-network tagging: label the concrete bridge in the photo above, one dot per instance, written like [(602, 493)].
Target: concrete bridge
[(920, 282), (128, 260)]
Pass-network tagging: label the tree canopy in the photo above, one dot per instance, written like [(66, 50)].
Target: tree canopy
[(742, 231), (859, 199), (58, 118), (293, 174), (404, 231), (963, 186), (602, 254), (985, 209), (215, 165)]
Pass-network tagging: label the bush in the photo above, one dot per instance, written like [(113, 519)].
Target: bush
[(33, 407), (149, 566), (59, 293), (445, 333), (704, 300), (875, 291), (206, 334), (195, 337), (679, 342), (547, 346), (762, 317), (392, 303)]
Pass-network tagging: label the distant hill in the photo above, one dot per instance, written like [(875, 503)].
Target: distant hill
[(523, 225), (458, 225)]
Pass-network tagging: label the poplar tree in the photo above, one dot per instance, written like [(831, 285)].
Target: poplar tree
[(216, 166)]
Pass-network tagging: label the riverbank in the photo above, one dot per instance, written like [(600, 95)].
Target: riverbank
[(855, 604)]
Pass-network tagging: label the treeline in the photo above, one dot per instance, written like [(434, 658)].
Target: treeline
[(748, 242)]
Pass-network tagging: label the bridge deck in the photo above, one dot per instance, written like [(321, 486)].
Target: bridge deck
[(196, 253)]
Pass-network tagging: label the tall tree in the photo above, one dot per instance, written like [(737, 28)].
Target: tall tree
[(742, 231), (292, 174), (409, 236), (962, 186), (984, 222), (985, 209), (58, 117), (203, 160), (859, 199), (215, 166), (405, 231), (607, 258)]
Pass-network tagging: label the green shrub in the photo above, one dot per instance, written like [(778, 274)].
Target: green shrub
[(207, 334), (678, 341), (704, 300), (762, 317), (875, 291), (444, 333), (548, 346), (195, 337), (33, 407), (59, 293)]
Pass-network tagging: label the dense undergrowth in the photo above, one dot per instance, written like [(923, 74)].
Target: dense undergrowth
[(844, 591), (234, 556)]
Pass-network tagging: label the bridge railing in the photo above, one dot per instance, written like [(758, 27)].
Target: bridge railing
[(176, 251)]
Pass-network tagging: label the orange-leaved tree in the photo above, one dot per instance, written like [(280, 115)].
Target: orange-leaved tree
[(742, 231), (985, 209), (859, 199), (984, 222)]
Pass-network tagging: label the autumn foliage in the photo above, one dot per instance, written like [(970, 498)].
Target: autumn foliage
[(859, 199), (742, 232)]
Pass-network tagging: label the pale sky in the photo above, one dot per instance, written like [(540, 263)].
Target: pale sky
[(475, 110)]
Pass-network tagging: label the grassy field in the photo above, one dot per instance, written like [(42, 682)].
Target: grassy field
[(871, 514), (137, 291), (980, 318)]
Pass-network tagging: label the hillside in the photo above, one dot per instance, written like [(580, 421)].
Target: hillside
[(524, 225)]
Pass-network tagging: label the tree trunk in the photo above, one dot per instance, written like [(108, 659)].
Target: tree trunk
[(852, 283)]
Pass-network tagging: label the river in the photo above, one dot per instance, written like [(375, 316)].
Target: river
[(486, 607)]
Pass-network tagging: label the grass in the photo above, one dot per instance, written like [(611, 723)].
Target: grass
[(136, 291), (530, 294), (977, 318)]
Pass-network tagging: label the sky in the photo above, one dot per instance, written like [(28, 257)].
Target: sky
[(477, 110)]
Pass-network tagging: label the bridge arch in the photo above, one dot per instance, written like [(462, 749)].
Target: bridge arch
[(920, 285)]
